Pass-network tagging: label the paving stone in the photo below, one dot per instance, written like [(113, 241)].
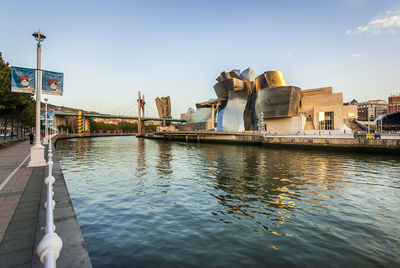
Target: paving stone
[(8, 210), (25, 216), (74, 258), (22, 199), (11, 193), (16, 258), (63, 212), (20, 227), (26, 265), (63, 203), (16, 244), (24, 210), (22, 233)]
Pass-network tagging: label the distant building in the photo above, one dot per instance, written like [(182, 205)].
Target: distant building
[(324, 110), (319, 109), (394, 103), (353, 102), (246, 102), (373, 108), (387, 122)]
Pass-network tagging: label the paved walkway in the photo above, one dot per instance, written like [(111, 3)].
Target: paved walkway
[(20, 191), (22, 212), (12, 189)]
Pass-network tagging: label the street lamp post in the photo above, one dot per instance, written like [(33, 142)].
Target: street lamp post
[(46, 132), (37, 150)]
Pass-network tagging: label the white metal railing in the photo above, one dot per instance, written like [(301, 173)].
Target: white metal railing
[(50, 246)]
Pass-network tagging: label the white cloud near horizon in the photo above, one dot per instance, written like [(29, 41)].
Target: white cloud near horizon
[(358, 55), (384, 24)]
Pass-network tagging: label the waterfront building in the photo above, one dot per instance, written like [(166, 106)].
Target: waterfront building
[(371, 108), (353, 102), (71, 122), (319, 109), (201, 119), (394, 103), (387, 122), (244, 98)]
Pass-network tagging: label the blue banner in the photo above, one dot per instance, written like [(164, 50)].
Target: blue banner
[(52, 83), (22, 80), (50, 116)]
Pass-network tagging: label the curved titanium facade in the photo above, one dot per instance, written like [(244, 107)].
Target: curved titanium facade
[(278, 101)]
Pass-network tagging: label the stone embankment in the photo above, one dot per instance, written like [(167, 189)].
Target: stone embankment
[(387, 144)]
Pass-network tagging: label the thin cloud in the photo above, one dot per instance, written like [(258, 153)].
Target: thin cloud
[(388, 23), (358, 55)]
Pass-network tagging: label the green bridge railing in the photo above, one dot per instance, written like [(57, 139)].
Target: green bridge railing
[(121, 117)]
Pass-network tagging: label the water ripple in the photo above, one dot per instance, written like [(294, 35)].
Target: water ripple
[(154, 203)]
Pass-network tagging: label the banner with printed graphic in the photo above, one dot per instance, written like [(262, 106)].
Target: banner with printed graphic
[(22, 80), (50, 116), (51, 124), (52, 83)]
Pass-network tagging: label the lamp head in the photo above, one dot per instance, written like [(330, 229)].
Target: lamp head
[(39, 36)]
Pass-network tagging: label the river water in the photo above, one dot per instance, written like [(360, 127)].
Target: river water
[(148, 203)]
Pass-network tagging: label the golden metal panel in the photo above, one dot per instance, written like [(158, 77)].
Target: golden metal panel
[(275, 79)]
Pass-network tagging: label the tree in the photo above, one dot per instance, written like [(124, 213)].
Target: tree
[(128, 127), (92, 125), (65, 128), (14, 107), (150, 128)]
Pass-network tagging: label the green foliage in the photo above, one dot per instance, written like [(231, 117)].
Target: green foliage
[(92, 125), (105, 127), (65, 128), (124, 127), (19, 106), (150, 128), (128, 127)]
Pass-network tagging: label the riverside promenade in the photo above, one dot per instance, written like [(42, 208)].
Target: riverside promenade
[(22, 212)]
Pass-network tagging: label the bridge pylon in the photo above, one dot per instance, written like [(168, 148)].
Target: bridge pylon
[(141, 104), (80, 122)]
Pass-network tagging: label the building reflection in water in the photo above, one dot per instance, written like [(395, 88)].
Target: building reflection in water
[(79, 150), (141, 157), (82, 147), (265, 184), (163, 165)]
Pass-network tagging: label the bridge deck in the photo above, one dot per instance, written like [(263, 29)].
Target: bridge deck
[(121, 117)]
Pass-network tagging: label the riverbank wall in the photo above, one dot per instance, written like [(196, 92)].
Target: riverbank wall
[(325, 142)]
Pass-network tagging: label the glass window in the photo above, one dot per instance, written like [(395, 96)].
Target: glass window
[(327, 123)]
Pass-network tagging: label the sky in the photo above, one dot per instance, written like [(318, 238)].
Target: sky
[(108, 50)]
